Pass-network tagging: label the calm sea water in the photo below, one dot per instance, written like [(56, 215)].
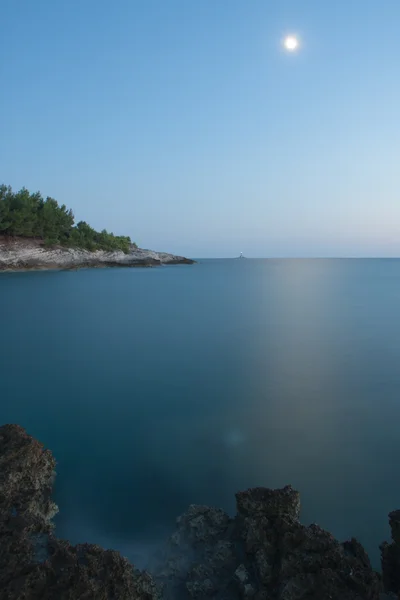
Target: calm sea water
[(158, 388)]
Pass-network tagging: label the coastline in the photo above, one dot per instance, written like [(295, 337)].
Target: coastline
[(20, 254)]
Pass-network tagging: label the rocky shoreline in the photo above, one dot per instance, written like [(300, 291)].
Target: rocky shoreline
[(20, 254), (263, 553)]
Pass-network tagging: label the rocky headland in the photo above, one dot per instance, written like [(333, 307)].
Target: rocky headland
[(263, 553), (23, 254)]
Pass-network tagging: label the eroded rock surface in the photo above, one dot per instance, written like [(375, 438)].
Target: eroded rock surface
[(263, 553), (33, 562), (391, 556), (25, 254)]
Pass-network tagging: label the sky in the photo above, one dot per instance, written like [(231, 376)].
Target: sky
[(184, 124)]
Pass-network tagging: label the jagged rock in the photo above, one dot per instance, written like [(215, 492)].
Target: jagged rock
[(263, 502), (201, 557), (202, 523), (390, 554), (263, 553), (243, 578), (294, 562), (394, 522), (33, 563)]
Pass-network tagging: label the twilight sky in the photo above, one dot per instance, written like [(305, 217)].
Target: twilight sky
[(185, 125)]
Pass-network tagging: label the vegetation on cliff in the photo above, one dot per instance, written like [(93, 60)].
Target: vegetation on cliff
[(29, 215)]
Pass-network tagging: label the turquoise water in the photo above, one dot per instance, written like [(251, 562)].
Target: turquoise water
[(157, 388)]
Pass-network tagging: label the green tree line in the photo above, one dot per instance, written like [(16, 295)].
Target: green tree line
[(29, 215)]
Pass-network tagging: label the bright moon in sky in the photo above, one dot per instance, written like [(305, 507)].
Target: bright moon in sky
[(291, 43)]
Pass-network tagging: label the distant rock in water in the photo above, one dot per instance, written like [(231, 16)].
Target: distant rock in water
[(18, 254), (263, 553)]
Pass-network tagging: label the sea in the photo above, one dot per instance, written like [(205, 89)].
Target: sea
[(162, 387)]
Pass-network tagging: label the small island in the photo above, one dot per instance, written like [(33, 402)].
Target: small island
[(38, 233)]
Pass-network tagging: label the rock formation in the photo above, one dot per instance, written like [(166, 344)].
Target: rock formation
[(391, 556), (26, 254), (264, 553), (33, 563)]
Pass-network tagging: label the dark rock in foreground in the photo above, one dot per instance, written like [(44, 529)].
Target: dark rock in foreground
[(391, 556), (33, 563), (263, 553)]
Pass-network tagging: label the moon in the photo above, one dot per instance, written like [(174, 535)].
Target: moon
[(291, 43)]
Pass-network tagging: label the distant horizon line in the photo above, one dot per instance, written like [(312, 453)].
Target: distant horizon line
[(299, 258)]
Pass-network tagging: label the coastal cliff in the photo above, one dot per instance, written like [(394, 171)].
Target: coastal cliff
[(262, 553), (19, 254)]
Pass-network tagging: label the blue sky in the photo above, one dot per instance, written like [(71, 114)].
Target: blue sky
[(183, 123)]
